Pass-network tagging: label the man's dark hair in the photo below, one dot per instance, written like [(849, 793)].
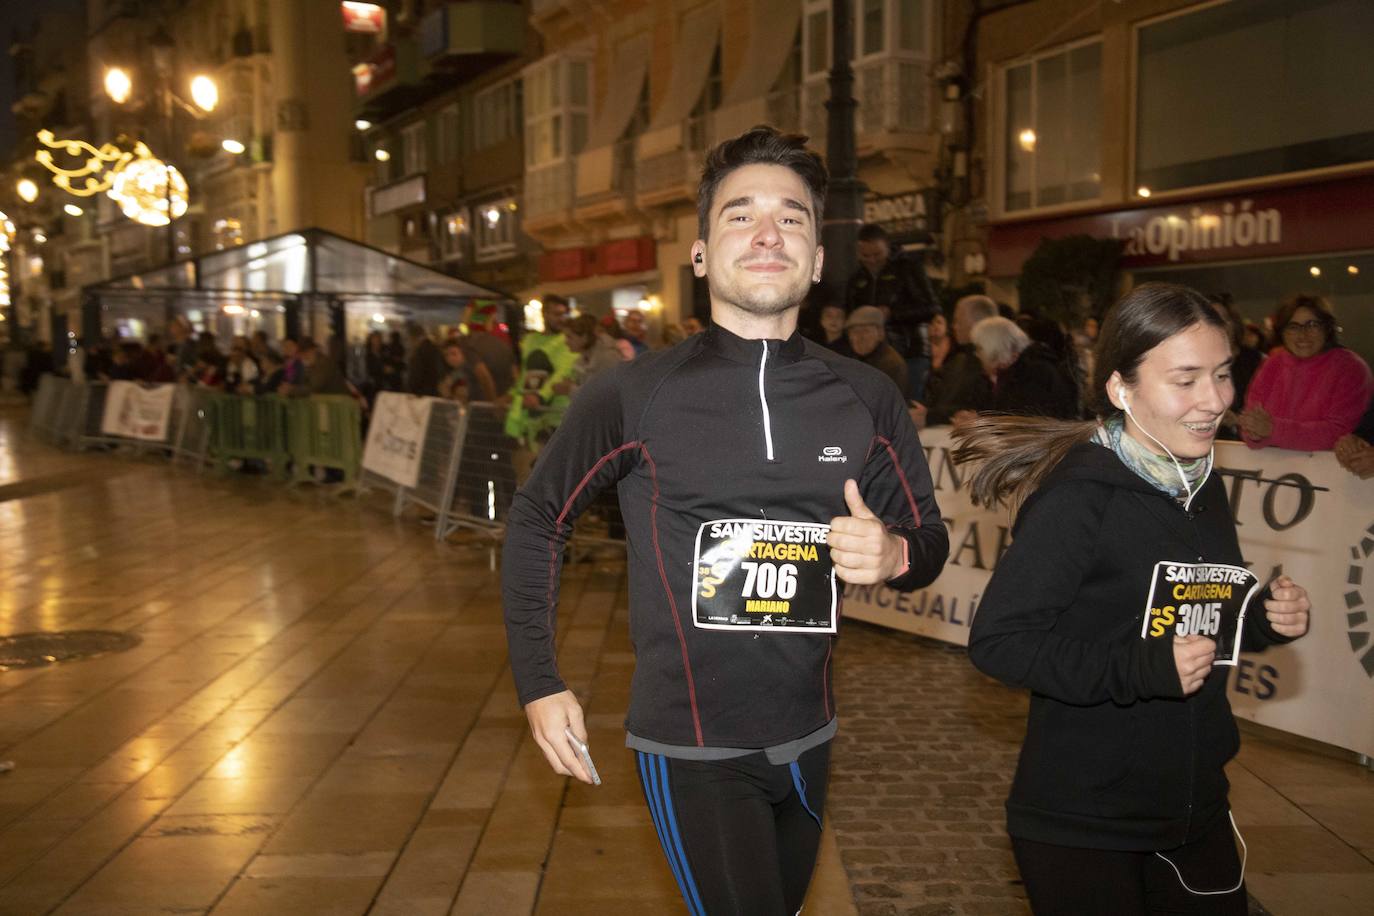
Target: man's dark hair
[(554, 299), (872, 232), (762, 145)]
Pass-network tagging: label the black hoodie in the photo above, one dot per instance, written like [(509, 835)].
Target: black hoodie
[(1115, 757)]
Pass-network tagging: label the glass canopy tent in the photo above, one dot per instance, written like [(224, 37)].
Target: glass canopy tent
[(310, 282)]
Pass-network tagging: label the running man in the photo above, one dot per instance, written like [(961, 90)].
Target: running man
[(754, 470)]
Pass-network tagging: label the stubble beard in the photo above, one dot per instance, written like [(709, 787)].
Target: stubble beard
[(764, 301)]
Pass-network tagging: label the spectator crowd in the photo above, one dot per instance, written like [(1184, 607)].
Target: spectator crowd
[(1296, 386)]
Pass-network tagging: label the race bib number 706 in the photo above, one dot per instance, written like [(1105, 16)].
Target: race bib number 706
[(763, 576)]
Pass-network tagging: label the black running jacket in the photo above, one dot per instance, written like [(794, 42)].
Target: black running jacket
[(705, 439)]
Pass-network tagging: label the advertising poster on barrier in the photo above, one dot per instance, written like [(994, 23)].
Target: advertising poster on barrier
[(1296, 513), (137, 412), (396, 437)]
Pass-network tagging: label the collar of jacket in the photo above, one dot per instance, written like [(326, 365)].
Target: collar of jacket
[(716, 339), (1090, 461)]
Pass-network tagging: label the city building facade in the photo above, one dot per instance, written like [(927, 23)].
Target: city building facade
[(630, 94), (1227, 145), (437, 110), (275, 152)]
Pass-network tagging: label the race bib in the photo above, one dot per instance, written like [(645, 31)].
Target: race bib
[(1200, 599), (763, 576)]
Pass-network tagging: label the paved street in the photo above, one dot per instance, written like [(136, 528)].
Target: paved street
[(319, 719)]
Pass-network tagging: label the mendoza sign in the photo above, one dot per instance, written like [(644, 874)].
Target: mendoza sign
[(396, 436), (136, 412), (1296, 513)]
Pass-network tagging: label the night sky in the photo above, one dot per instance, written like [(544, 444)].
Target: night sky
[(13, 14)]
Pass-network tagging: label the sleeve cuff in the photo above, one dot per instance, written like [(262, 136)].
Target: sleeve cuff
[(906, 558)]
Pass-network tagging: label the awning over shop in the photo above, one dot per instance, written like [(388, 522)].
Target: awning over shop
[(596, 164), (772, 26), (698, 30), (625, 82)]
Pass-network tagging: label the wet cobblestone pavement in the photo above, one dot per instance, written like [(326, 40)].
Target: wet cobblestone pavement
[(319, 719), (924, 759)]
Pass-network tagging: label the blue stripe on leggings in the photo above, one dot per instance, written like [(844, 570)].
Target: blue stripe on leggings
[(694, 899), (676, 860), (645, 769), (800, 785)]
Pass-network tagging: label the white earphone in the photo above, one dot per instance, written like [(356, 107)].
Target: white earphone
[(1126, 406)]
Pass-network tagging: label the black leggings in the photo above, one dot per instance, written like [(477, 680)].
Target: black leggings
[(740, 835), (1068, 881)]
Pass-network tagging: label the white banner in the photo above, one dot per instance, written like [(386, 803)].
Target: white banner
[(137, 412), (396, 437), (1296, 513)]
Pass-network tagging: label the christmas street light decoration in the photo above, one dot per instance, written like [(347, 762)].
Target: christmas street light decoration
[(6, 236), (135, 179), (141, 191), (98, 166)]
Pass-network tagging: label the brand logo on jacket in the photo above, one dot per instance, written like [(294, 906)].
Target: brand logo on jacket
[(832, 454)]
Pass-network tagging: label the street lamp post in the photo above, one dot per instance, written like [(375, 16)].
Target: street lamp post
[(204, 94), (845, 199), (161, 44)]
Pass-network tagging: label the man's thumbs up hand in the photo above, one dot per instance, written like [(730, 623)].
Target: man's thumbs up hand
[(863, 550)]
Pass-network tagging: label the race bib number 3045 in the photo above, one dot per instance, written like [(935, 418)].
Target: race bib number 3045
[(763, 576), (1200, 599)]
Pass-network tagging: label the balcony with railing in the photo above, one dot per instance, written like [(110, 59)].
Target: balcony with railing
[(605, 182), (668, 164), (464, 37), (893, 95), (388, 80), (549, 195)]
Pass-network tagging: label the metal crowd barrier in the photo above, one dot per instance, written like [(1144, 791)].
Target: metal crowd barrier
[(249, 429), (45, 417), (467, 464), (467, 478), (439, 457), (72, 414), (483, 475), (324, 431), (191, 418)]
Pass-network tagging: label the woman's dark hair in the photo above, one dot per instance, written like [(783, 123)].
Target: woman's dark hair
[(1014, 454), (1319, 306), (762, 145)]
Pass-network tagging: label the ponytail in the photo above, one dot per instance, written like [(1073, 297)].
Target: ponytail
[(1014, 454)]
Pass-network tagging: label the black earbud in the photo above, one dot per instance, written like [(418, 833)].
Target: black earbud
[(696, 258)]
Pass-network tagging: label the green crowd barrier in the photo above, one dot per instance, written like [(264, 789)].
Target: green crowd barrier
[(324, 431), (249, 428)]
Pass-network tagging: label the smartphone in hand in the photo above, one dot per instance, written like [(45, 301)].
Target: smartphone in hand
[(585, 754)]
